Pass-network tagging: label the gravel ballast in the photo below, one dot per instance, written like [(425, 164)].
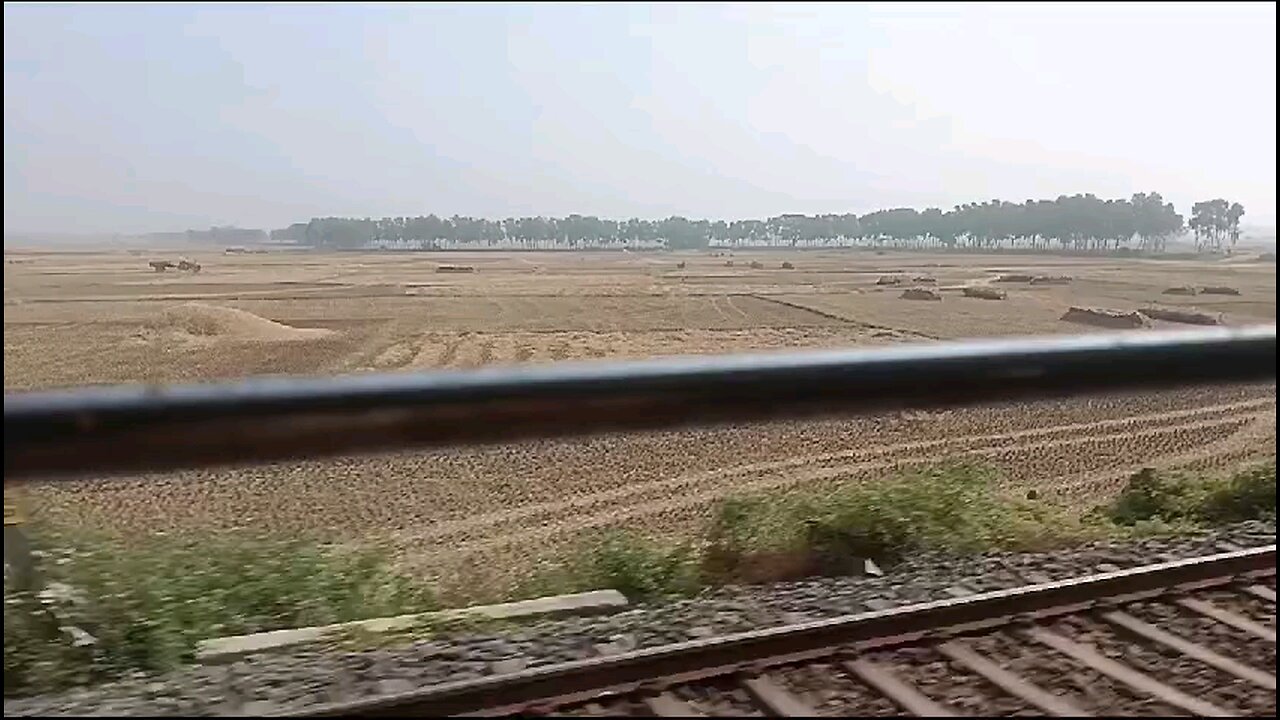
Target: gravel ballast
[(263, 683)]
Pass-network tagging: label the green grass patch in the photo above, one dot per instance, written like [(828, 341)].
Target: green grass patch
[(638, 567), (955, 508), (950, 508), (110, 608)]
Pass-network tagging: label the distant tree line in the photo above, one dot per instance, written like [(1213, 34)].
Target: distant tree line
[(228, 234), (225, 235), (1214, 221), (1078, 222)]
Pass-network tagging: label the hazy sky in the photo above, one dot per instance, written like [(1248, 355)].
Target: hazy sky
[(148, 117)]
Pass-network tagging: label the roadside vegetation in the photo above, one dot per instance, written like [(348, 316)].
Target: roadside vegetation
[(107, 610), (950, 509), (1198, 500)]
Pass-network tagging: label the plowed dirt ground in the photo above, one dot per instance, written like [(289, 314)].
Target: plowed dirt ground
[(474, 517)]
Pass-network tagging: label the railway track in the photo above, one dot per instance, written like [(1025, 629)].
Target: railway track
[(1189, 637)]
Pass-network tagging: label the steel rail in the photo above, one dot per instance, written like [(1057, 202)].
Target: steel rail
[(135, 428), (657, 668)]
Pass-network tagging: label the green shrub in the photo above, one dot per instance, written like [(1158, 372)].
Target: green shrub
[(1183, 498), (953, 508), (1167, 496), (761, 537), (637, 567), (109, 608), (640, 568), (1247, 495)]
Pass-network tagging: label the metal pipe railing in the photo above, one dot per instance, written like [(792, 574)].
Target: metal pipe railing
[(136, 428)]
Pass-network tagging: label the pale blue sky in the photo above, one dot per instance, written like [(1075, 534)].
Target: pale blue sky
[(146, 117)]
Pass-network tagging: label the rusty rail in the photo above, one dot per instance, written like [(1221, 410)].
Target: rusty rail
[(655, 669)]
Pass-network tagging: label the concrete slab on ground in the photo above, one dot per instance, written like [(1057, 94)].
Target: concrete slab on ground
[(227, 649)]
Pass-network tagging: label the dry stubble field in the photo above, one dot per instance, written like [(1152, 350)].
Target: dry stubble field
[(474, 518)]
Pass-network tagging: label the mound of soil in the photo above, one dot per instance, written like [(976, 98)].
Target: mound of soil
[(984, 293), (1104, 318), (1190, 317), (1180, 290), (1219, 290), (215, 322), (889, 280), (1015, 278), (1051, 280), (919, 294)]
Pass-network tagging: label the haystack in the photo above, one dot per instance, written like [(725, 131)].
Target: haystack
[(455, 269), (756, 265), (1102, 317), (889, 280), (1190, 317), (924, 280), (984, 293), (215, 322), (919, 294), (1051, 280), (1219, 290), (1180, 290), (1015, 278), (788, 266)]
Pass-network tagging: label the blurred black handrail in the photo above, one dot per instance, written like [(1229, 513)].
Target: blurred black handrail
[(134, 428)]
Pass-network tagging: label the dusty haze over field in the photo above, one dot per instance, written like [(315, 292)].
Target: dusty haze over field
[(149, 118)]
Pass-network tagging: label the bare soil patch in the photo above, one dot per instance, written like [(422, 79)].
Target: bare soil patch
[(480, 515)]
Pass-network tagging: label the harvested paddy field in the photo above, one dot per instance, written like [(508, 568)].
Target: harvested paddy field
[(473, 519)]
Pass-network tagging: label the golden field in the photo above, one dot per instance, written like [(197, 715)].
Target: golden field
[(473, 517)]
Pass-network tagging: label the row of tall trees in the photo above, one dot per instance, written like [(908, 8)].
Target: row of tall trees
[(1077, 222), (1214, 222)]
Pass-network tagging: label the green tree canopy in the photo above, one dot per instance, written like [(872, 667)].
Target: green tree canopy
[(1080, 223)]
